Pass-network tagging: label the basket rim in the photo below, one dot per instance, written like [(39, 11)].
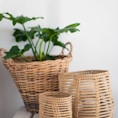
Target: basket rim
[(55, 95), (17, 60), (86, 72)]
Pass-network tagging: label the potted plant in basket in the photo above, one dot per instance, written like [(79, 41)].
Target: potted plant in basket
[(37, 73)]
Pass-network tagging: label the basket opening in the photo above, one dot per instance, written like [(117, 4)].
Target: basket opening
[(57, 95), (92, 72)]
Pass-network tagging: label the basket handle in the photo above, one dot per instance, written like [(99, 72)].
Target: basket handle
[(70, 51), (2, 50)]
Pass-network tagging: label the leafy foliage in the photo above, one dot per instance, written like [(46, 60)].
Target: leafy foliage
[(46, 38)]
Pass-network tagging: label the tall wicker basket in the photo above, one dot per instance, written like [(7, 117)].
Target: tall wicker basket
[(33, 78), (91, 93)]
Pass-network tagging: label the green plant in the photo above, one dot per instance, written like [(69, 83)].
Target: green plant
[(46, 38)]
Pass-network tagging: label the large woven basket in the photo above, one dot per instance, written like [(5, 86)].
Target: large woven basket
[(36, 77), (91, 93), (55, 105)]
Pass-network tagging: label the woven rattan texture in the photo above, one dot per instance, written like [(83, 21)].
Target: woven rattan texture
[(33, 78), (55, 105), (91, 93)]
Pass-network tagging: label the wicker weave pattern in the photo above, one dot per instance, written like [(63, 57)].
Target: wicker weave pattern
[(55, 105), (34, 77), (91, 93)]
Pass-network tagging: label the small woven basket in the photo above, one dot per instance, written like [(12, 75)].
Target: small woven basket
[(55, 105), (36, 77), (91, 93)]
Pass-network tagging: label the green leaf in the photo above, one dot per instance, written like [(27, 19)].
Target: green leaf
[(31, 34), (26, 48), (36, 30), (1, 17), (72, 28), (8, 16), (19, 19), (19, 35), (48, 34), (49, 57), (58, 43), (22, 19), (44, 33), (73, 25), (12, 53), (16, 52)]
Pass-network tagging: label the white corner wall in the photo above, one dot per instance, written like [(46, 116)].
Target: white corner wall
[(0, 102), (94, 47)]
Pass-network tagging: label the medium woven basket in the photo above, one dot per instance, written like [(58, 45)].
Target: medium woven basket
[(55, 105), (91, 93), (36, 77)]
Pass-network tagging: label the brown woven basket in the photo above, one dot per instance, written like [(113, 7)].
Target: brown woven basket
[(91, 93), (36, 77), (55, 105)]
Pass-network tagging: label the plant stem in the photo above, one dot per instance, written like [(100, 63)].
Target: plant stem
[(47, 51), (37, 43), (44, 48), (50, 49), (30, 42), (40, 51)]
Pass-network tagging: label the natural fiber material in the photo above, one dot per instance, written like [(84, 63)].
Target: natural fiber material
[(91, 93), (55, 105), (35, 77)]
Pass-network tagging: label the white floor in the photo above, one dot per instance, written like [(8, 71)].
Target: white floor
[(22, 113)]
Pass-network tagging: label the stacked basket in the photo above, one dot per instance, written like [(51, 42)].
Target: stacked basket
[(90, 90)]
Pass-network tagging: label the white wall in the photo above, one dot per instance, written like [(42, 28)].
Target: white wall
[(0, 102), (95, 47)]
